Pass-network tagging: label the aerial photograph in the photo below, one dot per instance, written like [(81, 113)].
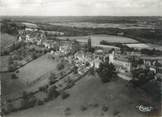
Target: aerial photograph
[(80, 58)]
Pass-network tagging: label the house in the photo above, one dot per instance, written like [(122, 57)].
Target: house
[(30, 26), (96, 62), (19, 38)]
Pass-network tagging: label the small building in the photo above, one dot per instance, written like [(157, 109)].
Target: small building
[(121, 62)]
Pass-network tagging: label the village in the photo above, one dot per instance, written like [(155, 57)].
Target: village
[(73, 60)]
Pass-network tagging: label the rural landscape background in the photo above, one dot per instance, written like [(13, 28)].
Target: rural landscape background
[(28, 67)]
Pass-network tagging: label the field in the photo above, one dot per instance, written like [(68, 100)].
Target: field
[(36, 68), (113, 39), (97, 38), (144, 45), (138, 46), (159, 47), (88, 99), (10, 88), (6, 39), (103, 25), (28, 73)]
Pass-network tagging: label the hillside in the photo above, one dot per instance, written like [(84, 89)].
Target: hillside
[(91, 98)]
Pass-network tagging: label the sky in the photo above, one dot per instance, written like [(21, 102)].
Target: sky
[(81, 7)]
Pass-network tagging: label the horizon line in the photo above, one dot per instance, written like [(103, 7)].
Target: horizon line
[(81, 16)]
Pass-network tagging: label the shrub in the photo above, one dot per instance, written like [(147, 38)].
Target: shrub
[(92, 71), (4, 112), (94, 105), (29, 100), (75, 70), (13, 76), (105, 108), (70, 85), (40, 102), (67, 111), (52, 93), (60, 66), (17, 71), (102, 114), (116, 112), (107, 72), (64, 95), (83, 108), (10, 108), (52, 78), (43, 88), (46, 99)]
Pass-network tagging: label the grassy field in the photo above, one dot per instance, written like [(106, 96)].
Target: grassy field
[(6, 39), (88, 98)]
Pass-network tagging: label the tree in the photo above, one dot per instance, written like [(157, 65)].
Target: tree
[(52, 78), (135, 62), (13, 76), (52, 92), (106, 71), (89, 44), (92, 71), (60, 66), (75, 69), (141, 76)]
